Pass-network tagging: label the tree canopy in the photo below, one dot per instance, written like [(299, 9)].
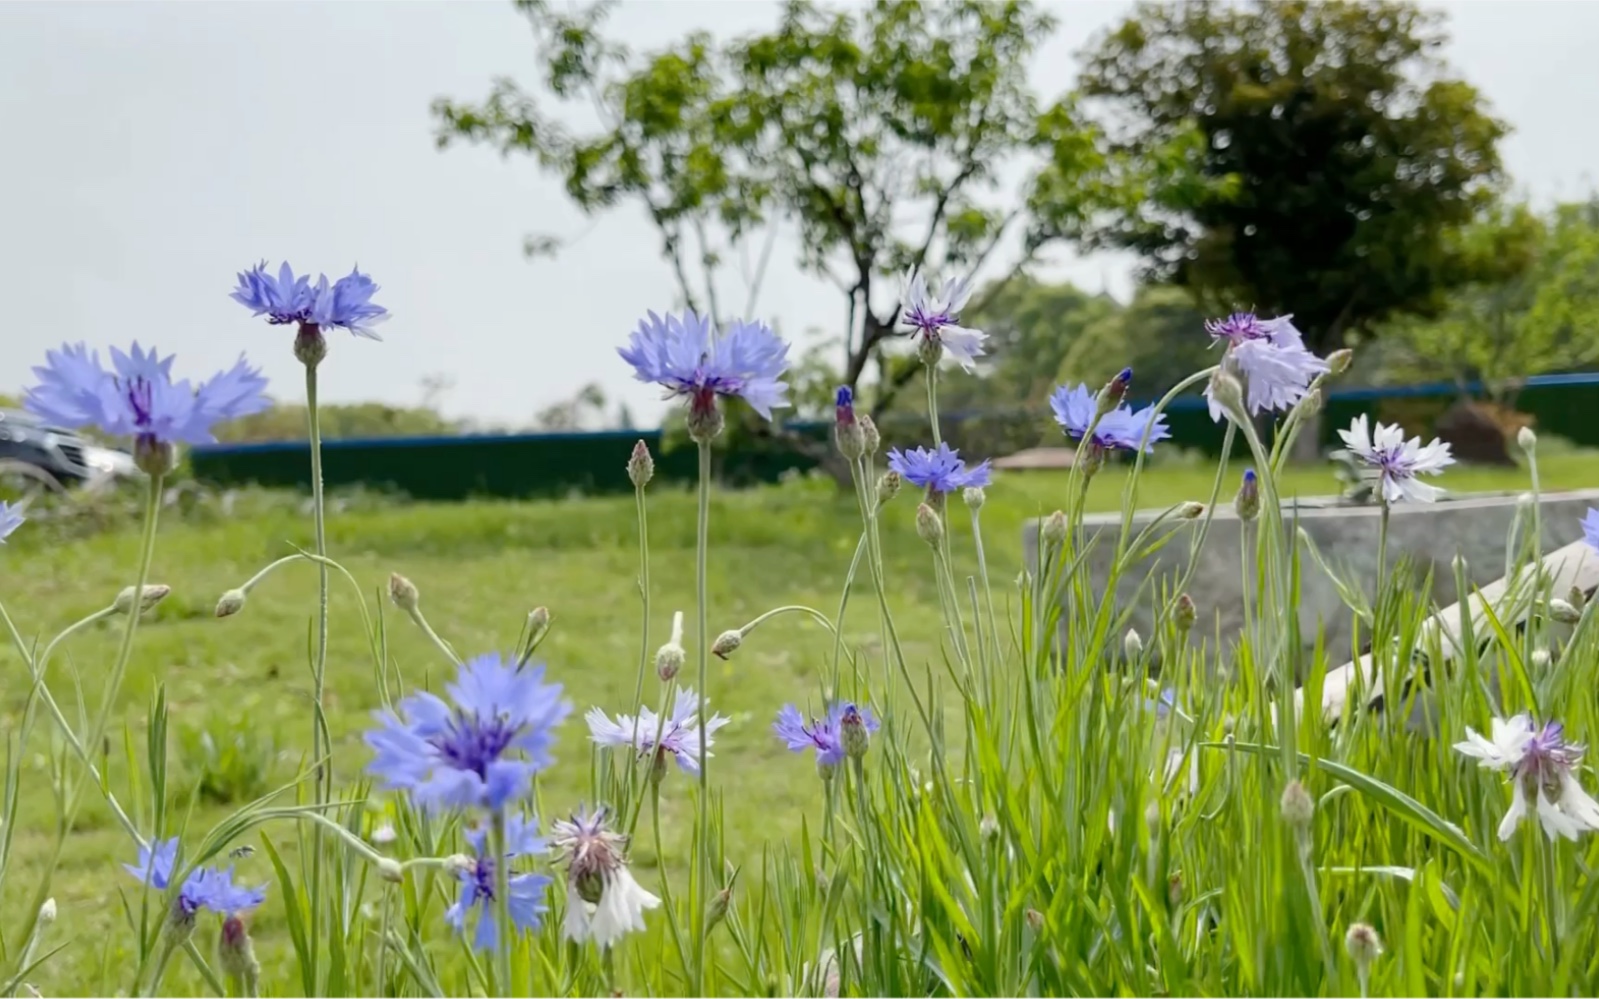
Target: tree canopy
[(1295, 157)]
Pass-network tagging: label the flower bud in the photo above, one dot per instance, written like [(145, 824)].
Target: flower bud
[(151, 595), (929, 351), (928, 527), (870, 438), (390, 870), (1152, 817), (1174, 889), (1132, 645), (1228, 392), (657, 768), (310, 347), (47, 912), (383, 834), (231, 603), (460, 863), (404, 593), (1035, 919), (1093, 459), (1339, 360), (1184, 613), (824, 881), (1247, 503), (826, 769), (1540, 659), (847, 432), (1527, 440), (974, 497), (1311, 404), (717, 910), (1114, 392), (704, 419), (236, 955), (1054, 529), (640, 466), (1297, 807), (727, 643), (1363, 944), (154, 458), (1563, 611), (988, 826), (1191, 510), (1576, 598), (670, 657), (852, 732), (538, 620), (888, 487)]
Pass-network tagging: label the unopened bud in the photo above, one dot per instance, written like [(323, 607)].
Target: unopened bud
[(727, 643), (928, 526), (847, 432), (383, 834), (153, 457), (657, 768), (1132, 645), (1174, 889), (1247, 503), (404, 593), (1540, 659), (1563, 611), (888, 487), (988, 826), (974, 497), (460, 863), (1184, 613), (1527, 440), (390, 870), (824, 881), (1228, 392), (826, 769), (640, 466), (717, 910), (231, 603), (1576, 598), (1311, 404), (538, 620), (852, 732), (1114, 392), (1035, 919), (1054, 529), (1339, 360), (1363, 944), (1093, 459), (47, 912), (670, 657), (236, 955), (1152, 817), (1297, 807), (870, 438), (151, 595), (1191, 510)]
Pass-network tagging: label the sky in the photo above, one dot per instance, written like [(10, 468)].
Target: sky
[(151, 150)]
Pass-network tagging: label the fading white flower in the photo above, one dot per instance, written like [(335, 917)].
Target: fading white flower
[(383, 834), (604, 901), (1269, 357), (679, 733), (1397, 461), (1540, 763), (932, 319)]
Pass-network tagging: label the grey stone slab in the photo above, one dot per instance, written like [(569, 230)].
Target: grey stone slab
[(1474, 526)]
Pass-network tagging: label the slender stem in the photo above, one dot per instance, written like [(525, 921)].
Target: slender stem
[(703, 849), (666, 882), (932, 401), (644, 595), (319, 519), (815, 615), (169, 943), (1382, 563), (427, 629), (504, 935)]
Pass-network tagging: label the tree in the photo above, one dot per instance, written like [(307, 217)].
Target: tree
[(1545, 319), (1160, 334), (1312, 158), (883, 134)]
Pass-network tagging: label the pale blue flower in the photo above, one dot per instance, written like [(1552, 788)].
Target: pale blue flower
[(679, 733), (345, 303), (204, 888), (138, 397), (1590, 529), (684, 354), (933, 319), (1270, 357), (525, 892), (10, 519), (1122, 427), (940, 470), (824, 735), (479, 752)]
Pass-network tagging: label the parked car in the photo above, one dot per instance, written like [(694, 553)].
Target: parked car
[(35, 457)]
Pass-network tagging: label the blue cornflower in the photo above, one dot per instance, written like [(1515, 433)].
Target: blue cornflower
[(1271, 358), (10, 519), (483, 750), (1122, 427), (526, 891), (825, 734), (138, 397), (204, 888), (679, 732), (940, 470), (684, 354), (1590, 529), (345, 303)]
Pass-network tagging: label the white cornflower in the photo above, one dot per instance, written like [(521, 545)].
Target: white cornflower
[(603, 901), (932, 320), (1397, 461), (1540, 763), (679, 733)]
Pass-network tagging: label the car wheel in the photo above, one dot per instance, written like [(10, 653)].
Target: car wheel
[(21, 481)]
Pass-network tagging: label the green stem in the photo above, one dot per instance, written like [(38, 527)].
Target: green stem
[(416, 616), (152, 512), (322, 785), (168, 945), (666, 883), (504, 931), (1382, 563), (703, 850), (932, 401), (644, 596)]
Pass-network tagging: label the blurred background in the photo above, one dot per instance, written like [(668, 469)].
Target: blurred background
[(526, 179)]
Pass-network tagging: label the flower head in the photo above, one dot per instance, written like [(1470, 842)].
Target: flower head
[(932, 319), (479, 752), (684, 354), (603, 900), (1539, 762), (1270, 356), (940, 470), (1590, 529), (345, 303), (1122, 427), (679, 733), (848, 432), (1396, 462), (204, 888), (825, 734), (138, 398), (11, 518), (526, 891)]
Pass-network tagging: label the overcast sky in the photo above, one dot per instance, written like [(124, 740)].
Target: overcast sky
[(153, 149)]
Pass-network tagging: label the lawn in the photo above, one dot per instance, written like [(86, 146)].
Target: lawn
[(480, 567)]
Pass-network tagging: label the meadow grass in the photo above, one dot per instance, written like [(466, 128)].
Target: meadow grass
[(481, 567)]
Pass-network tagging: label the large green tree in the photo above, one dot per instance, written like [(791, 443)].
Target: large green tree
[(889, 136), (1312, 158)]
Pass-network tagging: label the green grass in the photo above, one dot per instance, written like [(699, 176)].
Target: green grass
[(480, 567)]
